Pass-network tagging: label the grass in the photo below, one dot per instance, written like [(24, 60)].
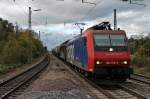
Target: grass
[(5, 68), (142, 71), (141, 65)]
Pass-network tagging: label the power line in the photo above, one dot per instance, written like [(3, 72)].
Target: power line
[(132, 2), (88, 2), (91, 10), (30, 17), (81, 25), (15, 0), (21, 10)]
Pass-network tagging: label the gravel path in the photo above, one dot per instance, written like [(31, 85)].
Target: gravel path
[(56, 83)]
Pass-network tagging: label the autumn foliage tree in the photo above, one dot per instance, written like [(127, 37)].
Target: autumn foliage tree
[(140, 49), (15, 48)]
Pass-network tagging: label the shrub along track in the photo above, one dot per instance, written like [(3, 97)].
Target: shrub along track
[(116, 91), (10, 86)]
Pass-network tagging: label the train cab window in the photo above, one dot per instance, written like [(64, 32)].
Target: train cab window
[(102, 40), (118, 40)]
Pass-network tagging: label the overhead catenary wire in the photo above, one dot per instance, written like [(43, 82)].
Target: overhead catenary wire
[(136, 2), (20, 11), (87, 15), (91, 10), (84, 17), (88, 2), (80, 25), (23, 10)]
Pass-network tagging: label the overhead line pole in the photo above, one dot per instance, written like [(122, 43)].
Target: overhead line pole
[(29, 21), (115, 19), (30, 17), (30, 34), (29, 27)]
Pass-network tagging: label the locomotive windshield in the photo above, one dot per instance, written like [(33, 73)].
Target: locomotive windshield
[(117, 40), (103, 42)]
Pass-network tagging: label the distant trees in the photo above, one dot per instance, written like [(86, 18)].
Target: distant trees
[(16, 48), (140, 49), (140, 44)]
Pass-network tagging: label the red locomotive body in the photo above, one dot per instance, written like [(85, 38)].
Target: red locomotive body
[(108, 53), (99, 52)]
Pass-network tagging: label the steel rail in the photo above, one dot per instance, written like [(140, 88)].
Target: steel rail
[(11, 85), (133, 92), (141, 78), (105, 92), (102, 90)]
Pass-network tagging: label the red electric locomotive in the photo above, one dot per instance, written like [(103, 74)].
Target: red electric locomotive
[(100, 52), (108, 52)]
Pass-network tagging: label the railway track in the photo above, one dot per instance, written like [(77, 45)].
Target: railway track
[(121, 90), (118, 91), (11, 85), (141, 78), (136, 90), (131, 89), (113, 91), (128, 90), (138, 85)]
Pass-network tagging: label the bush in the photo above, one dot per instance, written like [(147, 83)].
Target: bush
[(37, 48), (140, 61), (18, 48), (11, 52), (5, 68)]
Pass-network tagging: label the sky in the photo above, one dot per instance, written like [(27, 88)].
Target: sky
[(57, 18)]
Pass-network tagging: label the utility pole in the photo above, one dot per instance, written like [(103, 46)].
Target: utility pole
[(16, 28), (46, 22), (29, 27), (30, 33), (29, 21), (30, 17), (39, 35), (115, 19)]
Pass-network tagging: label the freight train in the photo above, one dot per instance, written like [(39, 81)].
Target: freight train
[(99, 52)]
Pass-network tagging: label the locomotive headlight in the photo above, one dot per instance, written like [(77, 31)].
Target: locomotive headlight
[(97, 62), (125, 62), (111, 49)]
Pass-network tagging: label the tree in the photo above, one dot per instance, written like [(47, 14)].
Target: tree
[(15, 49), (10, 52)]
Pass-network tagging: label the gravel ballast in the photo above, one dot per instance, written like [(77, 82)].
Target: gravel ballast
[(56, 83)]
